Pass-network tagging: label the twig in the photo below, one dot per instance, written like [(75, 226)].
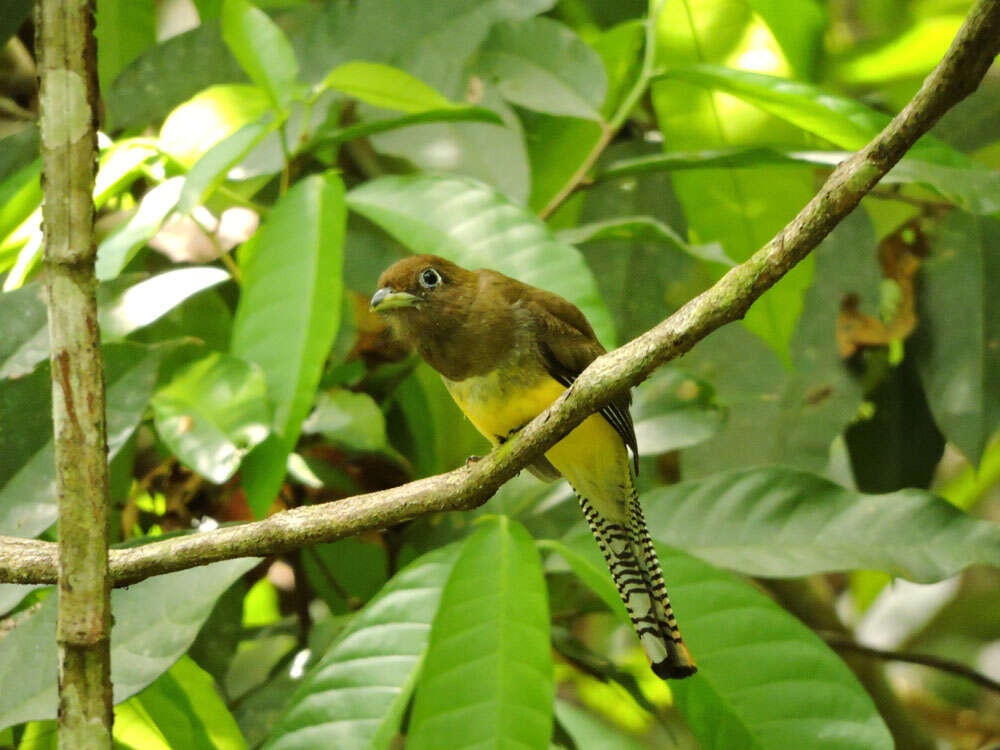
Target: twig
[(958, 74), (844, 643), (68, 103), (610, 128)]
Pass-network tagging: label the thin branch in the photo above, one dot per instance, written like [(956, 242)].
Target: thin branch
[(610, 128), (69, 102), (845, 643), (958, 74)]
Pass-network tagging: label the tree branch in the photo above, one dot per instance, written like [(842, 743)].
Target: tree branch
[(840, 642), (957, 75), (68, 102)]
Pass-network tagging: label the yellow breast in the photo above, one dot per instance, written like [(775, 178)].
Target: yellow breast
[(592, 457)]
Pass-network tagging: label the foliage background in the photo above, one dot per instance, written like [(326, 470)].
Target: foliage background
[(824, 472)]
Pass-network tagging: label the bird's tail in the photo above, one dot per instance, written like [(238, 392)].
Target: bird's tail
[(636, 572)]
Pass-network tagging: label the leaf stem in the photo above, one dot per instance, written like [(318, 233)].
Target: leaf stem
[(610, 128)]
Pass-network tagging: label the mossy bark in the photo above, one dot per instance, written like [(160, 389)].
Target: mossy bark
[(66, 52)]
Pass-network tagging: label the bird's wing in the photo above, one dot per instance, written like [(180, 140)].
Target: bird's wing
[(567, 344)]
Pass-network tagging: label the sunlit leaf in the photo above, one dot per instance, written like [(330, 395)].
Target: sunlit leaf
[(155, 622), (181, 709), (142, 303), (261, 48), (487, 679), (289, 310), (850, 124), (115, 252), (476, 227), (385, 86), (211, 413), (356, 694)]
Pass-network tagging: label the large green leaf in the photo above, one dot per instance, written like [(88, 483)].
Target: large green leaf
[(385, 86), (764, 679), (850, 124), (155, 622), (540, 64), (740, 209), (801, 411), (27, 458), (957, 345), (168, 74), (289, 311), (590, 732), (346, 573), (211, 413), (349, 419), (124, 306), (125, 29), (785, 523), (476, 227), (673, 410), (120, 247), (356, 695), (181, 709), (20, 196), (487, 680), (261, 48)]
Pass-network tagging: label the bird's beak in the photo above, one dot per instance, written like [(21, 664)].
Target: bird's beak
[(388, 298)]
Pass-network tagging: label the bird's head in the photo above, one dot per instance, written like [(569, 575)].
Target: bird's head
[(421, 288)]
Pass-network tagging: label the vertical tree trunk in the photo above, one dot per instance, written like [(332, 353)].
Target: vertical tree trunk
[(68, 69)]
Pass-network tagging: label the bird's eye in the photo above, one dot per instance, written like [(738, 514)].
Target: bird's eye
[(429, 278)]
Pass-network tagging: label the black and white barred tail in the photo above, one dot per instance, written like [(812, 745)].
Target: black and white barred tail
[(636, 571)]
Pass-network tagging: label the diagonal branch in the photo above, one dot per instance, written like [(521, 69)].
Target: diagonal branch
[(955, 77)]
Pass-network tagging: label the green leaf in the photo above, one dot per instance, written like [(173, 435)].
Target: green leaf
[(957, 345), (430, 430), (742, 210), (20, 196), (155, 622), (849, 124), (346, 573), (120, 165), (590, 732), (913, 53), (138, 305), (540, 64), (211, 169), (674, 410), (475, 226), (168, 74), (352, 420), (596, 577), (25, 322), (125, 29), (181, 709), (642, 228), (764, 679), (289, 309), (356, 695), (455, 113), (898, 445), (803, 410), (261, 48), (207, 120), (15, 13), (27, 459), (385, 86), (18, 150), (784, 523), (487, 679), (211, 413), (119, 248)]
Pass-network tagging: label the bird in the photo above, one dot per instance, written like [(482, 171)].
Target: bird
[(506, 350)]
